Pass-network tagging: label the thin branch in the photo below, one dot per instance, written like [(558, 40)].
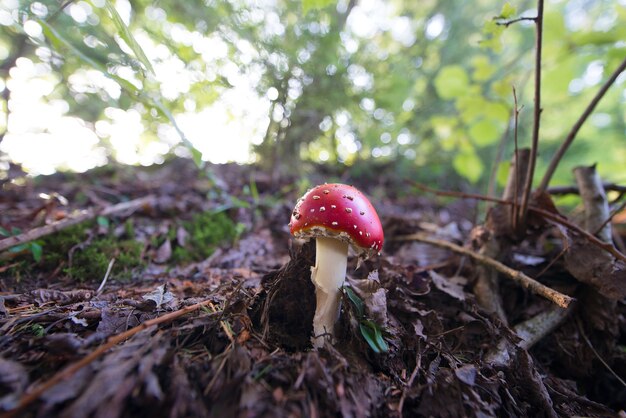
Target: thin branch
[(508, 23), (527, 282), (536, 116), (548, 215), (572, 134), (70, 370), (564, 190), (517, 174), (598, 356), (83, 216)]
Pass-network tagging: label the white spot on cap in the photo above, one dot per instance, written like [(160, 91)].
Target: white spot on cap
[(354, 226), (322, 209), (326, 191), (333, 206), (360, 232), (335, 224), (362, 213), (348, 210), (316, 197), (312, 210)]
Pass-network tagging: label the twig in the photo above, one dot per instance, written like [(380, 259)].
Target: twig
[(516, 162), (610, 217), (548, 215), (106, 276), (508, 23), (536, 118), (604, 363), (527, 282), (418, 365), (563, 190), (574, 131), (227, 330), (83, 216), (70, 370)]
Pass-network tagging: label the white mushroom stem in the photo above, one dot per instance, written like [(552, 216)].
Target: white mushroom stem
[(328, 274)]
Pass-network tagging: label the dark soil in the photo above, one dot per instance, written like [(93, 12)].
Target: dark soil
[(248, 352)]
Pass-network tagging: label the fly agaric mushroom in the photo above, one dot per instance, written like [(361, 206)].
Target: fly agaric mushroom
[(337, 216)]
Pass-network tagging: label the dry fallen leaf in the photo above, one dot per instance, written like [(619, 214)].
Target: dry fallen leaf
[(452, 286)]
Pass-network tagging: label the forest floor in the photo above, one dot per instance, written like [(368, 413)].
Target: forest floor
[(207, 309)]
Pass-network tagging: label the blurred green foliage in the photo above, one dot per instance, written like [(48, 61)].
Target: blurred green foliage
[(423, 84)]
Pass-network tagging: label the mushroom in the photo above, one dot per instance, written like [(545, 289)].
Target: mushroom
[(337, 216)]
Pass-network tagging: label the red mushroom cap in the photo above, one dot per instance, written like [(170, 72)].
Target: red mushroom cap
[(338, 211)]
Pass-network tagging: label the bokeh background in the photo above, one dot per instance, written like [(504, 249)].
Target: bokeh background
[(423, 89)]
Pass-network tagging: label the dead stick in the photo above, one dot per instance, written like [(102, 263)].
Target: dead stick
[(548, 215), (572, 134), (563, 190), (72, 220), (530, 173), (67, 372), (517, 276)]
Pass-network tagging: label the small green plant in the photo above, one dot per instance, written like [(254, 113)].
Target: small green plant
[(37, 330), (33, 247), (370, 330)]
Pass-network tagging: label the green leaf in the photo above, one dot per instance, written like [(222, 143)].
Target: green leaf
[(18, 248), (4, 232), (508, 11), (102, 221), (308, 5), (58, 41), (36, 250), (451, 82), (468, 165), (373, 336), (483, 132), (356, 301), (196, 155), (128, 37)]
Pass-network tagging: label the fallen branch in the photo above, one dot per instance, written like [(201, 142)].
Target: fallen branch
[(72, 220), (70, 370), (525, 281)]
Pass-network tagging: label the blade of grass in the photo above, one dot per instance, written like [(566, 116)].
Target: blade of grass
[(127, 36)]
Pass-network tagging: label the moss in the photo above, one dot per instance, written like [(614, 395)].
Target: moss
[(206, 231), (91, 262), (81, 257)]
